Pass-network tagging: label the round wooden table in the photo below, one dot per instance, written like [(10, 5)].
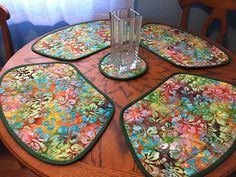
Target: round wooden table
[(111, 156)]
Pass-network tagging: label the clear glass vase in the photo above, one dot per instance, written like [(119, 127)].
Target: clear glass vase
[(125, 35)]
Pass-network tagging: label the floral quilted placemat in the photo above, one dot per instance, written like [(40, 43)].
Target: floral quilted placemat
[(107, 67), (75, 42), (185, 126), (181, 48), (53, 111)]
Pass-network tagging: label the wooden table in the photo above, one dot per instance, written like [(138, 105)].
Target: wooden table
[(111, 156)]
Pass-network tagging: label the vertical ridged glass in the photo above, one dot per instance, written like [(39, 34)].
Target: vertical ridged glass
[(125, 36)]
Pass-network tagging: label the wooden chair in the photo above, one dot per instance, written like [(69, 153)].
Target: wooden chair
[(4, 16), (219, 12)]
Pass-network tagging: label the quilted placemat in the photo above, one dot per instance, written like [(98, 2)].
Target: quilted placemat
[(53, 111), (183, 127), (107, 68), (75, 42), (181, 48)]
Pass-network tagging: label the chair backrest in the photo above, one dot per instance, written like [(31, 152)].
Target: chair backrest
[(219, 12), (4, 16)]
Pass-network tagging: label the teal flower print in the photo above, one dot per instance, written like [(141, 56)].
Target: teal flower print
[(68, 134)]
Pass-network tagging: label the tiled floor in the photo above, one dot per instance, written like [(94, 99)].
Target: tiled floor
[(9, 166)]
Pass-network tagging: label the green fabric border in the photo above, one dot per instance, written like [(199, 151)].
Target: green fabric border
[(118, 78), (188, 67), (63, 59), (43, 158), (136, 159)]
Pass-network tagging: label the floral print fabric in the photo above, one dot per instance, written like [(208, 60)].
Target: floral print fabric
[(75, 42), (52, 111), (110, 70), (181, 48), (182, 127)]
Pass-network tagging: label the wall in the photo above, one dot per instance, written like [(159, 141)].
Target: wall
[(169, 11)]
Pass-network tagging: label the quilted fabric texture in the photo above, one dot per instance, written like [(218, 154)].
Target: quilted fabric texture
[(53, 111), (75, 42), (107, 68), (181, 48), (184, 127)]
